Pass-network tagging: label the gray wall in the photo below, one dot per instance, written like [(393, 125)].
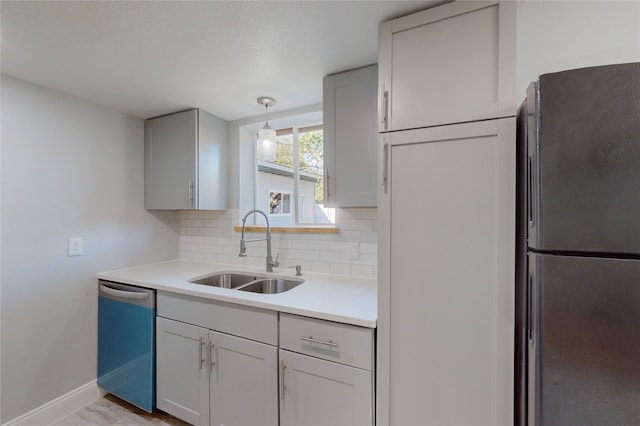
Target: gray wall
[(69, 169)]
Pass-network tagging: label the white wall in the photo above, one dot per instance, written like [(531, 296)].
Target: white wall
[(209, 237), (559, 35), (69, 169)]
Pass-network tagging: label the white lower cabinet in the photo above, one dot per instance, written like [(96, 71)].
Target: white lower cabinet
[(314, 392), (235, 376), (244, 380), (217, 363), (326, 373), (182, 377), (210, 378)]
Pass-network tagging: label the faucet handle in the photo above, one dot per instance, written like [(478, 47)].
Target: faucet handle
[(298, 269), (276, 263)]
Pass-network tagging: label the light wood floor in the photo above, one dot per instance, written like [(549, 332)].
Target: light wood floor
[(110, 410)]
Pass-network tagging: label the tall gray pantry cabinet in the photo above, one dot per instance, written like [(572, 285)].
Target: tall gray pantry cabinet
[(445, 205)]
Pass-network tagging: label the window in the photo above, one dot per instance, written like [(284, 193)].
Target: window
[(279, 203), (290, 187)]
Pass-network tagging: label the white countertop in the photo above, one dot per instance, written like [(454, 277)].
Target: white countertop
[(345, 299)]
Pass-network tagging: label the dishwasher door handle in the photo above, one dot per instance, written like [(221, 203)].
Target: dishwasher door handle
[(124, 294)]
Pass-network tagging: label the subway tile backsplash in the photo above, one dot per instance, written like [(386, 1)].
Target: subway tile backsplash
[(209, 236)]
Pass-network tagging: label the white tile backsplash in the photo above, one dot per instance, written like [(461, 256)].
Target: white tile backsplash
[(209, 236)]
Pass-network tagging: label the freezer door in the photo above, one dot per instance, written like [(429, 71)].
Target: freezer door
[(586, 348), (588, 154)]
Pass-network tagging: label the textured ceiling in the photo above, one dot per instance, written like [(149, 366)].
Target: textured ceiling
[(148, 58)]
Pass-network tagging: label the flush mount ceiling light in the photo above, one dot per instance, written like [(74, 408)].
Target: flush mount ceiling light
[(266, 135)]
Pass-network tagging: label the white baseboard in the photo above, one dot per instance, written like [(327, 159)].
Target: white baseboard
[(60, 407)]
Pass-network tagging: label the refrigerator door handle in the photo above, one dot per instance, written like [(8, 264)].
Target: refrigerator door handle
[(530, 190), (530, 309)]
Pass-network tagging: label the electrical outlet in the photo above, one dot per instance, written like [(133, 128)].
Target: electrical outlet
[(75, 246), (354, 251)]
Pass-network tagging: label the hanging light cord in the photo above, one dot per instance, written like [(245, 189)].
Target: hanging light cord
[(266, 125)]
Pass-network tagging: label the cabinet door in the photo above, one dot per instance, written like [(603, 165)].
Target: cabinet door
[(350, 138), (314, 392), (442, 66), (170, 161), (445, 323), (244, 382), (182, 374), (213, 170)]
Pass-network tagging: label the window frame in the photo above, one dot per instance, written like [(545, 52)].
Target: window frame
[(294, 130)]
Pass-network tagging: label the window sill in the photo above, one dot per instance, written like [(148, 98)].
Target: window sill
[(290, 229)]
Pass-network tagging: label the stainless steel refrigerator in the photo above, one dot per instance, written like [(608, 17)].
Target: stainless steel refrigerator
[(577, 353)]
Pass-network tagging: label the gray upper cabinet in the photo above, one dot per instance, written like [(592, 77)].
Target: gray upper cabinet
[(186, 162), (350, 138), (444, 65)]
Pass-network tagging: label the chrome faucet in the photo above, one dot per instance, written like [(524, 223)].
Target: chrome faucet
[(243, 248)]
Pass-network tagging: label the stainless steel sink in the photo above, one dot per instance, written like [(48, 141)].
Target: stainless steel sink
[(225, 280), (271, 285), (248, 282)]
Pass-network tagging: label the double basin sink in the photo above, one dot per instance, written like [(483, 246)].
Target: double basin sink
[(249, 282)]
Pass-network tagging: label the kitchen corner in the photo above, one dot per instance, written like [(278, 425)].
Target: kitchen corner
[(399, 274)]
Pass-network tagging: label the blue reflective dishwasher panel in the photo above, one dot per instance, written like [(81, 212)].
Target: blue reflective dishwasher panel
[(126, 343)]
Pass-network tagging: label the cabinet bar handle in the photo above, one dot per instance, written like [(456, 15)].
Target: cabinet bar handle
[(190, 194), (322, 342), (282, 386), (384, 114), (200, 360), (385, 167), (326, 184), (211, 347)]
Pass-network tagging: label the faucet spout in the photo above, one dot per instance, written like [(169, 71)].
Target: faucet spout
[(243, 247)]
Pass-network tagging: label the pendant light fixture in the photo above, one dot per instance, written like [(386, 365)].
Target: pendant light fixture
[(266, 135)]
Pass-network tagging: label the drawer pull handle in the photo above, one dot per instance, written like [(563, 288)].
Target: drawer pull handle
[(310, 339)]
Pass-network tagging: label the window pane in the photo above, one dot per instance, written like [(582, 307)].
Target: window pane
[(311, 168), (274, 186)]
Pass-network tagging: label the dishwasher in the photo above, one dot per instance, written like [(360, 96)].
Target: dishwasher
[(126, 342)]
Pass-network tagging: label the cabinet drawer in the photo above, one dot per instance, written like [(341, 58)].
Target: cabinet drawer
[(244, 321), (346, 344)]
